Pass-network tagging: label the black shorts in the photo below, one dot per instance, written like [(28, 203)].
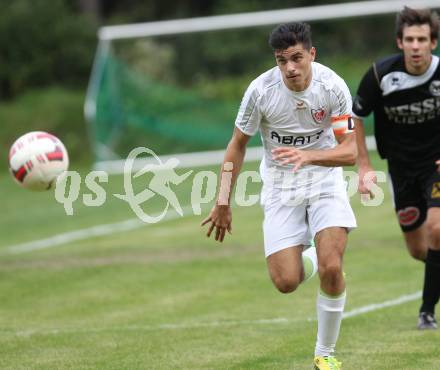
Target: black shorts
[(414, 194)]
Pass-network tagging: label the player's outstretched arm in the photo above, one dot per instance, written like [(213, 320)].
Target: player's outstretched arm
[(220, 217), (366, 173)]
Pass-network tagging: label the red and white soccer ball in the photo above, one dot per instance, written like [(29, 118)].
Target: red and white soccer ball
[(36, 159)]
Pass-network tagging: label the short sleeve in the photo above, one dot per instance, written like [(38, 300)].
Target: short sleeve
[(340, 99), (368, 94), (249, 115)]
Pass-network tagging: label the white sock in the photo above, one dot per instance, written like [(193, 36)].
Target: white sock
[(310, 263), (329, 311)]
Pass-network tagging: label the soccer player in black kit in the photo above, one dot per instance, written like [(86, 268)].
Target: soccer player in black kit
[(403, 92)]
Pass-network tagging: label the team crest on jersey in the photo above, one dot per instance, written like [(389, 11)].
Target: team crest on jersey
[(318, 115), (434, 88)]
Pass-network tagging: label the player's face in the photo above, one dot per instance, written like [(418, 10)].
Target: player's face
[(295, 64), (417, 46)]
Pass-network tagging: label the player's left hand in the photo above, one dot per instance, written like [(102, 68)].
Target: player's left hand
[(437, 162), (294, 156)]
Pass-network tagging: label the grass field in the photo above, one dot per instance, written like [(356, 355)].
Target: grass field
[(163, 296)]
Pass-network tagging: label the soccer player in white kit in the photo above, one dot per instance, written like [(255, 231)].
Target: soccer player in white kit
[(302, 110)]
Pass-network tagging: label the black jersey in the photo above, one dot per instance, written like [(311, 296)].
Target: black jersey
[(406, 111)]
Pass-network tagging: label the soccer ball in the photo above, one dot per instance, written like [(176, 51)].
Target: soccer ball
[(36, 159)]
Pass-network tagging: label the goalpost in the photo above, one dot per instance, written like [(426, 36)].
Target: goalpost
[(136, 96)]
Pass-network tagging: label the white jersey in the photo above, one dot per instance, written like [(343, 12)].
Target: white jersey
[(286, 118)]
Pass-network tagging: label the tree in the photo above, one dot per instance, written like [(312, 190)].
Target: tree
[(43, 43)]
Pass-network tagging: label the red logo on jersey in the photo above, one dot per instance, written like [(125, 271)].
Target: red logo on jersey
[(318, 115), (408, 216)]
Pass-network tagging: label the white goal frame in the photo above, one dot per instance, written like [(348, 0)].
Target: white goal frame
[(107, 34)]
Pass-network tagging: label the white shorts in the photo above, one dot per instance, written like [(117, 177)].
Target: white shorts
[(293, 217)]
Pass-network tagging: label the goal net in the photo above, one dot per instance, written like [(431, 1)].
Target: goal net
[(175, 86)]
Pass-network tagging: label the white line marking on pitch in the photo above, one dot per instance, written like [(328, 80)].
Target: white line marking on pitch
[(82, 234), (280, 320), (377, 306)]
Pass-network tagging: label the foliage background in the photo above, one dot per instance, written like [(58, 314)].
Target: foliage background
[(47, 49)]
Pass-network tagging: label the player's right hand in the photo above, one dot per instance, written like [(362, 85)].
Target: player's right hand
[(367, 177), (220, 218)]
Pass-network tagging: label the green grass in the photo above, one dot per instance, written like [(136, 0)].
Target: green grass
[(164, 296)]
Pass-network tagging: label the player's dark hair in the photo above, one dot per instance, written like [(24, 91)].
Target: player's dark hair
[(411, 17), (291, 34)]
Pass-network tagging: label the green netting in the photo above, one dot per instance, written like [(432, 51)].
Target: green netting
[(134, 110)]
